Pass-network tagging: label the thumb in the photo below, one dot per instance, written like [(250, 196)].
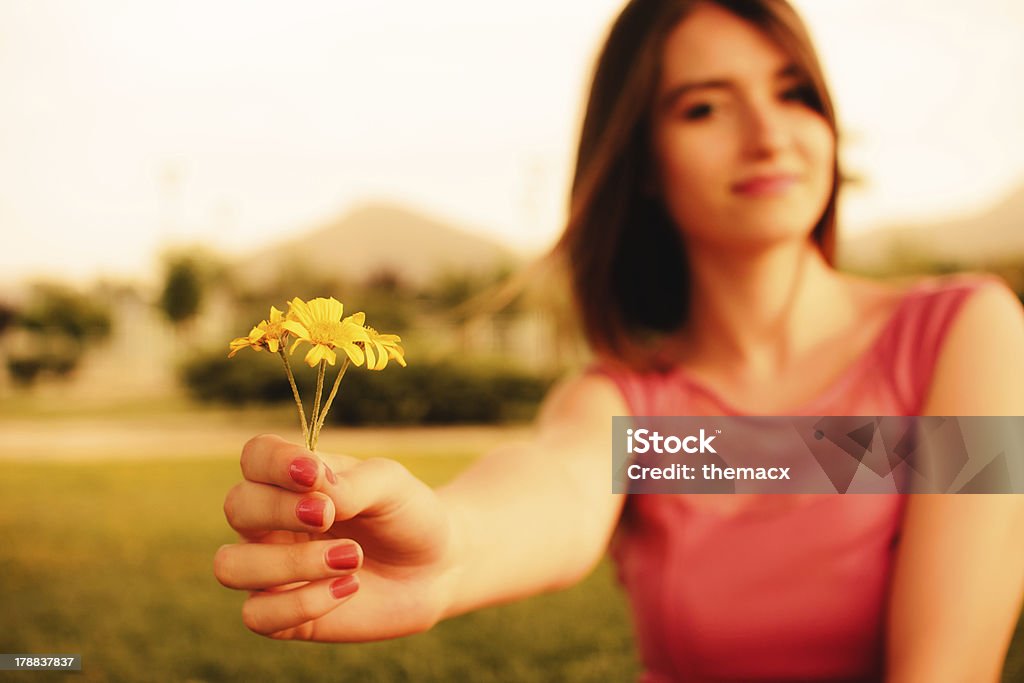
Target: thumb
[(374, 487)]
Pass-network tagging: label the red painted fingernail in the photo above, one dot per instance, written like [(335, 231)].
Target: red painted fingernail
[(344, 587), (330, 475), (311, 511), (303, 471), (343, 557)]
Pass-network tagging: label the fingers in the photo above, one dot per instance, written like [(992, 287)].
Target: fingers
[(270, 613), (258, 566), (254, 509), (269, 459)]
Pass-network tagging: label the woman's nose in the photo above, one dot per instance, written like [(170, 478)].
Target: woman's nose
[(766, 132)]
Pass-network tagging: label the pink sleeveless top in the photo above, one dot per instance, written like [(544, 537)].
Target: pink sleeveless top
[(783, 590)]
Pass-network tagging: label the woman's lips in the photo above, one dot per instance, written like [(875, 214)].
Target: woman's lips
[(764, 185)]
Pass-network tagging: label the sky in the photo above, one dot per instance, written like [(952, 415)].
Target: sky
[(127, 127)]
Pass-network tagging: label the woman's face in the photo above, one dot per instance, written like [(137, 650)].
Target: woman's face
[(742, 160)]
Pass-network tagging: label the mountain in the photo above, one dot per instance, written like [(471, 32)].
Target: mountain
[(992, 235), (380, 237)]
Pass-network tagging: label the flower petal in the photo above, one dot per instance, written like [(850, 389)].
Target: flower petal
[(335, 309), (236, 345), (325, 310), (296, 328), (314, 355), (299, 311), (354, 353), (371, 360), (398, 354), (351, 332), (382, 356)]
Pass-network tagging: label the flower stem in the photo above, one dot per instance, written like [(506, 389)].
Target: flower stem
[(330, 399), (295, 393), (316, 404)]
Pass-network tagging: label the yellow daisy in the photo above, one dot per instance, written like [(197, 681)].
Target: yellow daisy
[(269, 334), (384, 347), (319, 323)]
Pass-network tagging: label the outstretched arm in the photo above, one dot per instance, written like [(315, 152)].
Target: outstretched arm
[(537, 516)]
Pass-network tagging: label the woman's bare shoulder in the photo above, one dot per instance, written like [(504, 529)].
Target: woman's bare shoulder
[(979, 364), (878, 298), (583, 396)]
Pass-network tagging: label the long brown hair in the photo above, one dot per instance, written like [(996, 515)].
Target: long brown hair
[(625, 256)]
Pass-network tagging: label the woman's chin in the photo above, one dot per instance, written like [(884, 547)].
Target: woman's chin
[(758, 236)]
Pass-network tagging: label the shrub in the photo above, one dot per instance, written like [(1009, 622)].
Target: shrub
[(247, 378), (423, 393)]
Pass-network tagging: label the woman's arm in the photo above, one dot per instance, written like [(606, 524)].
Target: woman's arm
[(537, 516), (959, 575)]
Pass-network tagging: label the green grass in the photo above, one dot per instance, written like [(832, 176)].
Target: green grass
[(113, 561)]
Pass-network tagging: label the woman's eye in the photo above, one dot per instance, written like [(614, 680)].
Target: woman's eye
[(697, 112), (803, 94)]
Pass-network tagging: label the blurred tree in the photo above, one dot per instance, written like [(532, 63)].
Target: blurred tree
[(55, 309), (253, 296), (191, 273), (182, 295), (59, 323), (387, 280), (293, 278), (8, 315), (452, 289), (388, 300), (462, 294)]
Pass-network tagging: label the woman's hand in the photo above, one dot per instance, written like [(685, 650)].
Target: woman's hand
[(344, 551)]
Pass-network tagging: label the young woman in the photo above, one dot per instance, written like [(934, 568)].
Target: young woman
[(700, 244)]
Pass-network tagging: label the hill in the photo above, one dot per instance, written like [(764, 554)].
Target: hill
[(992, 235), (382, 237)]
